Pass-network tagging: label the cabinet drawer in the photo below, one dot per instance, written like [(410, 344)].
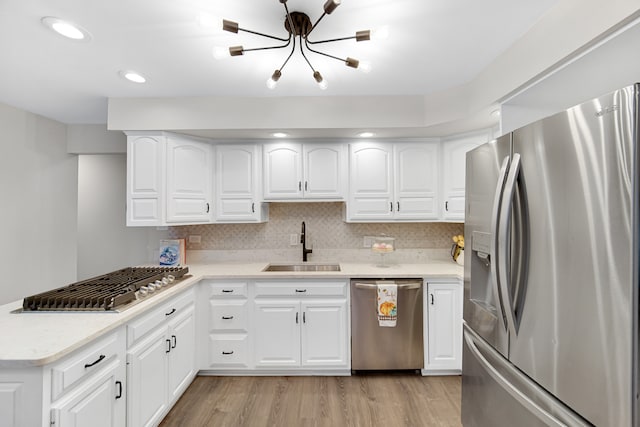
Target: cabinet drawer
[(301, 289), (228, 289), (228, 350), (73, 370), (148, 322), (228, 315)]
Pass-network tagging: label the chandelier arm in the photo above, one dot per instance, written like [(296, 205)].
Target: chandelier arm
[(317, 22), (291, 26), (271, 47), (265, 35), (293, 48), (322, 53), (305, 56), (330, 40)]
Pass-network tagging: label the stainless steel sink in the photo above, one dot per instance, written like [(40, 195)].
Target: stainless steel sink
[(302, 267)]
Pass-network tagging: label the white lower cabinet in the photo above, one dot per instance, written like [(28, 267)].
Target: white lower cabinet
[(98, 403), (160, 359), (443, 327), (84, 388), (301, 324), (228, 325)]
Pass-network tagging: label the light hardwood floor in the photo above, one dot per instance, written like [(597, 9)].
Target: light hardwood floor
[(361, 400)]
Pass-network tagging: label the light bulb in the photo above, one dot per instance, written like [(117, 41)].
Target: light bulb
[(271, 84), (323, 84), (209, 22), (273, 80), (221, 52), (364, 66), (381, 33)]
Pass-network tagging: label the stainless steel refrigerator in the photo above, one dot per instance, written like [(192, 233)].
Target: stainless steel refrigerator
[(551, 277)]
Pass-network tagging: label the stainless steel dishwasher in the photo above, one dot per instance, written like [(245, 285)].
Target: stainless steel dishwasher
[(374, 347)]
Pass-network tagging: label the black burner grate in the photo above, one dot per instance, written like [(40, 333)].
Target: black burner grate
[(101, 293)]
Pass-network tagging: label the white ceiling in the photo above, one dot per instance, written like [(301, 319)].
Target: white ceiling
[(433, 45)]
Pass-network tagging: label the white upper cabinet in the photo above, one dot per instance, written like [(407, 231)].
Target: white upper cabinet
[(237, 180), (169, 179), (145, 173), (189, 180), (454, 152), (393, 181), (303, 171)]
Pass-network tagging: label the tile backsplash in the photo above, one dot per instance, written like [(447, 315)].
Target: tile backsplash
[(326, 231)]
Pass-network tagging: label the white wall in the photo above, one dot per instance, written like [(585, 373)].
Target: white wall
[(38, 214), (104, 242)]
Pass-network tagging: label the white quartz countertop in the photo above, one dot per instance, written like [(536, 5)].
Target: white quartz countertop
[(39, 338)]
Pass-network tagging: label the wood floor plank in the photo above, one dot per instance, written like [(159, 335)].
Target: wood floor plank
[(387, 399)]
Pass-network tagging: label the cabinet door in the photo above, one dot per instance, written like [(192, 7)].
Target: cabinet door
[(236, 181), (277, 333), (324, 333), (454, 155), (323, 168), (189, 183), (282, 171), (444, 308), (99, 402), (145, 172), (147, 379), (182, 336), (416, 181), (370, 182)]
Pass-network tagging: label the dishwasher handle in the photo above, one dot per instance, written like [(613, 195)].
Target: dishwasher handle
[(400, 287)]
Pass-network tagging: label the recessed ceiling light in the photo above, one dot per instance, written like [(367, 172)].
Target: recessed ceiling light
[(279, 135), (133, 76), (366, 134), (66, 28)]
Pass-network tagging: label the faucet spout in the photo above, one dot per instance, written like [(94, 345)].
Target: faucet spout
[(303, 240)]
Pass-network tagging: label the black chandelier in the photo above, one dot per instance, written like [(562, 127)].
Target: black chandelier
[(299, 25)]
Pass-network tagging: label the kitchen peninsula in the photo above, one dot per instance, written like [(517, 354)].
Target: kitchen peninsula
[(66, 363)]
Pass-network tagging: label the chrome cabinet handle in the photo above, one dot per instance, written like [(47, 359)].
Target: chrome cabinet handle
[(227, 352), (227, 317), (168, 346), (253, 207), (431, 299), (398, 205), (227, 291), (390, 206), (175, 341), (296, 317), (173, 310), (304, 317), (446, 206), (119, 385), (207, 207), (299, 185), (306, 186), (301, 290)]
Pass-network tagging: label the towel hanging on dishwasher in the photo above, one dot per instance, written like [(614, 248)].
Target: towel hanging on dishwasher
[(387, 304)]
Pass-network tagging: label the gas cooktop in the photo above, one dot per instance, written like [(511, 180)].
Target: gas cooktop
[(109, 292)]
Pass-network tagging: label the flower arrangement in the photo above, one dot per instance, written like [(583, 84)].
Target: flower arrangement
[(457, 248)]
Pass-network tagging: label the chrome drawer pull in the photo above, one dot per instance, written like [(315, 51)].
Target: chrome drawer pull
[(227, 317), (227, 352)]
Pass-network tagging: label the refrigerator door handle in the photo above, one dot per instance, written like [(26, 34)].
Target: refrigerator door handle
[(560, 417), (503, 242), (495, 220)]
